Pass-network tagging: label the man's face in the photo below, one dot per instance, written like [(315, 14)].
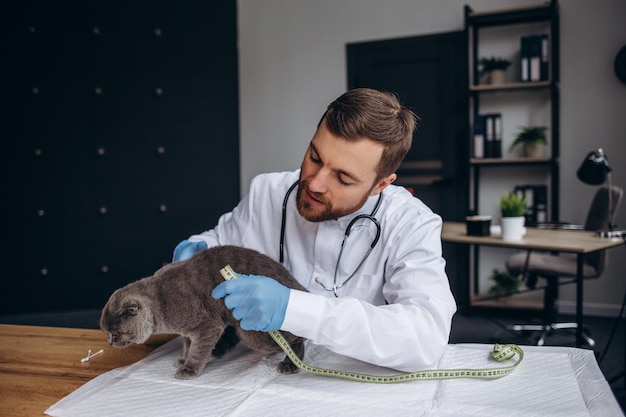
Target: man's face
[(337, 176)]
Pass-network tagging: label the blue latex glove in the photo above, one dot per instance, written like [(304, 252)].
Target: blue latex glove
[(186, 249), (258, 302)]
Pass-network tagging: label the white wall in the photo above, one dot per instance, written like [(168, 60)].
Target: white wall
[(292, 64)]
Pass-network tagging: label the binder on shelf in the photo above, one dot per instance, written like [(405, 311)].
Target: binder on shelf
[(544, 69), (489, 136), (493, 135), (535, 58), (496, 120), (524, 58), (536, 203), (478, 141), (534, 53)]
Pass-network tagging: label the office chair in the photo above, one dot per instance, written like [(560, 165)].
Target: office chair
[(532, 265)]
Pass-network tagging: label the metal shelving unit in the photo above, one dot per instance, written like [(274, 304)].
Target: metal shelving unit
[(474, 22)]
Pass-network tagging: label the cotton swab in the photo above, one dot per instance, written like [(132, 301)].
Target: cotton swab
[(89, 355)]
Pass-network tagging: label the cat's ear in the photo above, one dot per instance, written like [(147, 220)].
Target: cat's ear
[(132, 308)]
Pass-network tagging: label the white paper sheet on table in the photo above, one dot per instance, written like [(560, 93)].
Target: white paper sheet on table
[(550, 381)]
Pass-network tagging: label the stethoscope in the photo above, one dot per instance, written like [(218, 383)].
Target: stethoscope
[(369, 217)]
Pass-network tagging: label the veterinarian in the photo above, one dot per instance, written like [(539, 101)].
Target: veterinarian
[(382, 296)]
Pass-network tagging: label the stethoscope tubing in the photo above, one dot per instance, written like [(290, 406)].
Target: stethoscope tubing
[(284, 221), (371, 217)]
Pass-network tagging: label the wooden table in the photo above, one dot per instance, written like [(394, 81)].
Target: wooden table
[(579, 242), (41, 365)]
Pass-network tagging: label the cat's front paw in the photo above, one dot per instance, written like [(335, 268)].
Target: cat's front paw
[(180, 361), (185, 372)]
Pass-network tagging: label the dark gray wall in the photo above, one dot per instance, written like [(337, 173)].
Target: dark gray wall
[(120, 124)]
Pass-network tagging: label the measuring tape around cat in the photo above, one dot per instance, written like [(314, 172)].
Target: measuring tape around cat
[(499, 353)]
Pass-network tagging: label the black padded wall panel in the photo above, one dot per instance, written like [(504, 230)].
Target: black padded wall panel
[(121, 124)]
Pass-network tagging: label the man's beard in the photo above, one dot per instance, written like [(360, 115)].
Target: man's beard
[(328, 213)]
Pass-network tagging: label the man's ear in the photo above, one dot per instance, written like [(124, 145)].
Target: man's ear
[(382, 184)]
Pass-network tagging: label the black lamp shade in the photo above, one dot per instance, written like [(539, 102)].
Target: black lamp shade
[(594, 169)]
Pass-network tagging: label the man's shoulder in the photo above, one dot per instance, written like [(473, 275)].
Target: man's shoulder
[(401, 196), (401, 202), (406, 215)]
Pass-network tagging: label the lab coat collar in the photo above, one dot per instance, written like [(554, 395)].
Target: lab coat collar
[(367, 209)]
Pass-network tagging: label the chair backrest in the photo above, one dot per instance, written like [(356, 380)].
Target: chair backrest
[(598, 218)]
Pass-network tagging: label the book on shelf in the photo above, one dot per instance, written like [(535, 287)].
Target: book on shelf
[(535, 58)]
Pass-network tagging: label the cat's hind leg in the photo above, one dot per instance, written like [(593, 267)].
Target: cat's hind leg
[(200, 347), (286, 366), (228, 340)]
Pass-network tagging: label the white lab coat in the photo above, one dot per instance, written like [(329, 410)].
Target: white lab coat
[(397, 309)]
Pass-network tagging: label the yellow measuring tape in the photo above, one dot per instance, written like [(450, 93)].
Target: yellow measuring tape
[(499, 353)]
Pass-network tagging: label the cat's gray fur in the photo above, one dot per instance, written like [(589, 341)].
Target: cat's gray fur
[(177, 300)]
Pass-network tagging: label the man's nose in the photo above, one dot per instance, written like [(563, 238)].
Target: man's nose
[(319, 182)]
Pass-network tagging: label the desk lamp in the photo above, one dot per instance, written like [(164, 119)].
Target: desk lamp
[(595, 170)]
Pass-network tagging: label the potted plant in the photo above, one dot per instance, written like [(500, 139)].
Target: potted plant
[(513, 208), (494, 67), (504, 284), (533, 139)]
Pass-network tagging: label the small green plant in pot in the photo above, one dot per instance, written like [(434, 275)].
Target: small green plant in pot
[(494, 67), (533, 139), (512, 205), (513, 208), (504, 284)]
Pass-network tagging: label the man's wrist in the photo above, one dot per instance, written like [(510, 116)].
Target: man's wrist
[(301, 315)]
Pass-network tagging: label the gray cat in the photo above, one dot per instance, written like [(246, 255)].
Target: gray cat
[(177, 300)]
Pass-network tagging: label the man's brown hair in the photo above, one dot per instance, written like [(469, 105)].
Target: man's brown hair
[(377, 115)]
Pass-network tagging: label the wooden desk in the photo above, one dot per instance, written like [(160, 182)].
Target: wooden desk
[(41, 365), (579, 242)]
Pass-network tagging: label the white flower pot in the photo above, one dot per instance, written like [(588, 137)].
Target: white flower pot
[(513, 228)]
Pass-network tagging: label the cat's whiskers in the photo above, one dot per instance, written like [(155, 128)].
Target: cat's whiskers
[(133, 352)]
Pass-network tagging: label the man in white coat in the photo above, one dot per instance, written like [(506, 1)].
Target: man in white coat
[(382, 296)]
